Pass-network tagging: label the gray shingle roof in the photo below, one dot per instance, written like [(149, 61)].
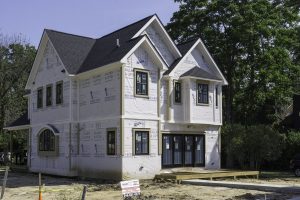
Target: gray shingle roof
[(80, 54), (21, 121), (72, 49), (200, 73)]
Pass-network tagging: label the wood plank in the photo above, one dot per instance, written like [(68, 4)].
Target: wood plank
[(206, 175)]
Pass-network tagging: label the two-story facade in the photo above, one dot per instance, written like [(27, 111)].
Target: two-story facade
[(124, 105)]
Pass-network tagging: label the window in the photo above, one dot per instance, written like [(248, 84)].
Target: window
[(141, 83), (141, 142), (47, 141), (40, 98), (59, 92), (202, 93), (217, 96), (49, 95), (177, 93), (111, 142)]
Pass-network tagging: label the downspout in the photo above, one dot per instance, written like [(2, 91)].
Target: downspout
[(78, 118), (70, 126)]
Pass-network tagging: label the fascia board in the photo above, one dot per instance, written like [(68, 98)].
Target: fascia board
[(164, 31), (67, 73), (199, 78), (37, 59), (213, 62), (14, 128), (150, 45), (184, 57)]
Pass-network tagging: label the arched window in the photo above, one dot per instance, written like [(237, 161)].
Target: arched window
[(47, 141)]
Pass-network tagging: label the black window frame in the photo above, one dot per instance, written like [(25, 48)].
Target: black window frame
[(138, 83), (111, 151), (177, 100), (59, 97), (49, 100), (202, 94), (142, 132), (47, 141), (39, 98), (217, 96)]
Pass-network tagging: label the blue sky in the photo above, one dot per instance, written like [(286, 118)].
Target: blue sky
[(92, 18)]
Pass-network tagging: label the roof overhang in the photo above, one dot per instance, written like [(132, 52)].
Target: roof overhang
[(199, 78), (38, 58), (165, 35), (16, 128), (209, 58), (145, 42)]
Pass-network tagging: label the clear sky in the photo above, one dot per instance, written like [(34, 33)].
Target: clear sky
[(92, 18)]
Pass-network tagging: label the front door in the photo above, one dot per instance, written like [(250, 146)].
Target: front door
[(181, 150)]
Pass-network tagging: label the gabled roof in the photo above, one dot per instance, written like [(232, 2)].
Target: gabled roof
[(80, 54), (187, 48), (72, 49), (197, 72), (20, 122), (183, 48)]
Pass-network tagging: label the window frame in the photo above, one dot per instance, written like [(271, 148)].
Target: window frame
[(53, 149), (174, 85), (40, 101), (62, 93), (51, 96), (197, 91), (135, 132), (135, 82), (217, 96), (114, 130)]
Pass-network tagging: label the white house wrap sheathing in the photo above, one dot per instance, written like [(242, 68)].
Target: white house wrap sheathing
[(140, 113), (94, 103)]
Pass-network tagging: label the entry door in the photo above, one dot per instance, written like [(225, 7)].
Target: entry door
[(199, 151), (188, 150), (182, 150)]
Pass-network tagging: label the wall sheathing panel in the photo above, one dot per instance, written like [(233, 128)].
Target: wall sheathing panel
[(160, 44), (99, 96), (140, 166), (140, 107), (50, 71), (188, 110), (59, 164), (93, 160)]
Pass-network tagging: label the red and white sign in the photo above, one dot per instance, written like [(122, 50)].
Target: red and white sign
[(130, 188)]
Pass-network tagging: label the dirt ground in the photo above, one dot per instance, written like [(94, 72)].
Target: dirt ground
[(22, 186)]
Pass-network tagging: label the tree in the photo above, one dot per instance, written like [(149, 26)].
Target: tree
[(16, 59), (253, 43), (251, 146)]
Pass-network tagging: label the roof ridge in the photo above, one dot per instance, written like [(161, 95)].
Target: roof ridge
[(69, 34), (150, 16)]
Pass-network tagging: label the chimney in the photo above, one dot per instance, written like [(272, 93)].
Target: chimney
[(118, 42)]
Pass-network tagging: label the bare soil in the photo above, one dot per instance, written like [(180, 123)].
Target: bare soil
[(21, 186)]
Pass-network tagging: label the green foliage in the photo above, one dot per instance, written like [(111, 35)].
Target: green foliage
[(252, 145), (256, 46), (16, 59), (292, 144)]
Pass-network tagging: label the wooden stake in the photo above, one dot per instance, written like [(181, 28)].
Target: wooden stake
[(84, 192), (40, 186), (4, 182)]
